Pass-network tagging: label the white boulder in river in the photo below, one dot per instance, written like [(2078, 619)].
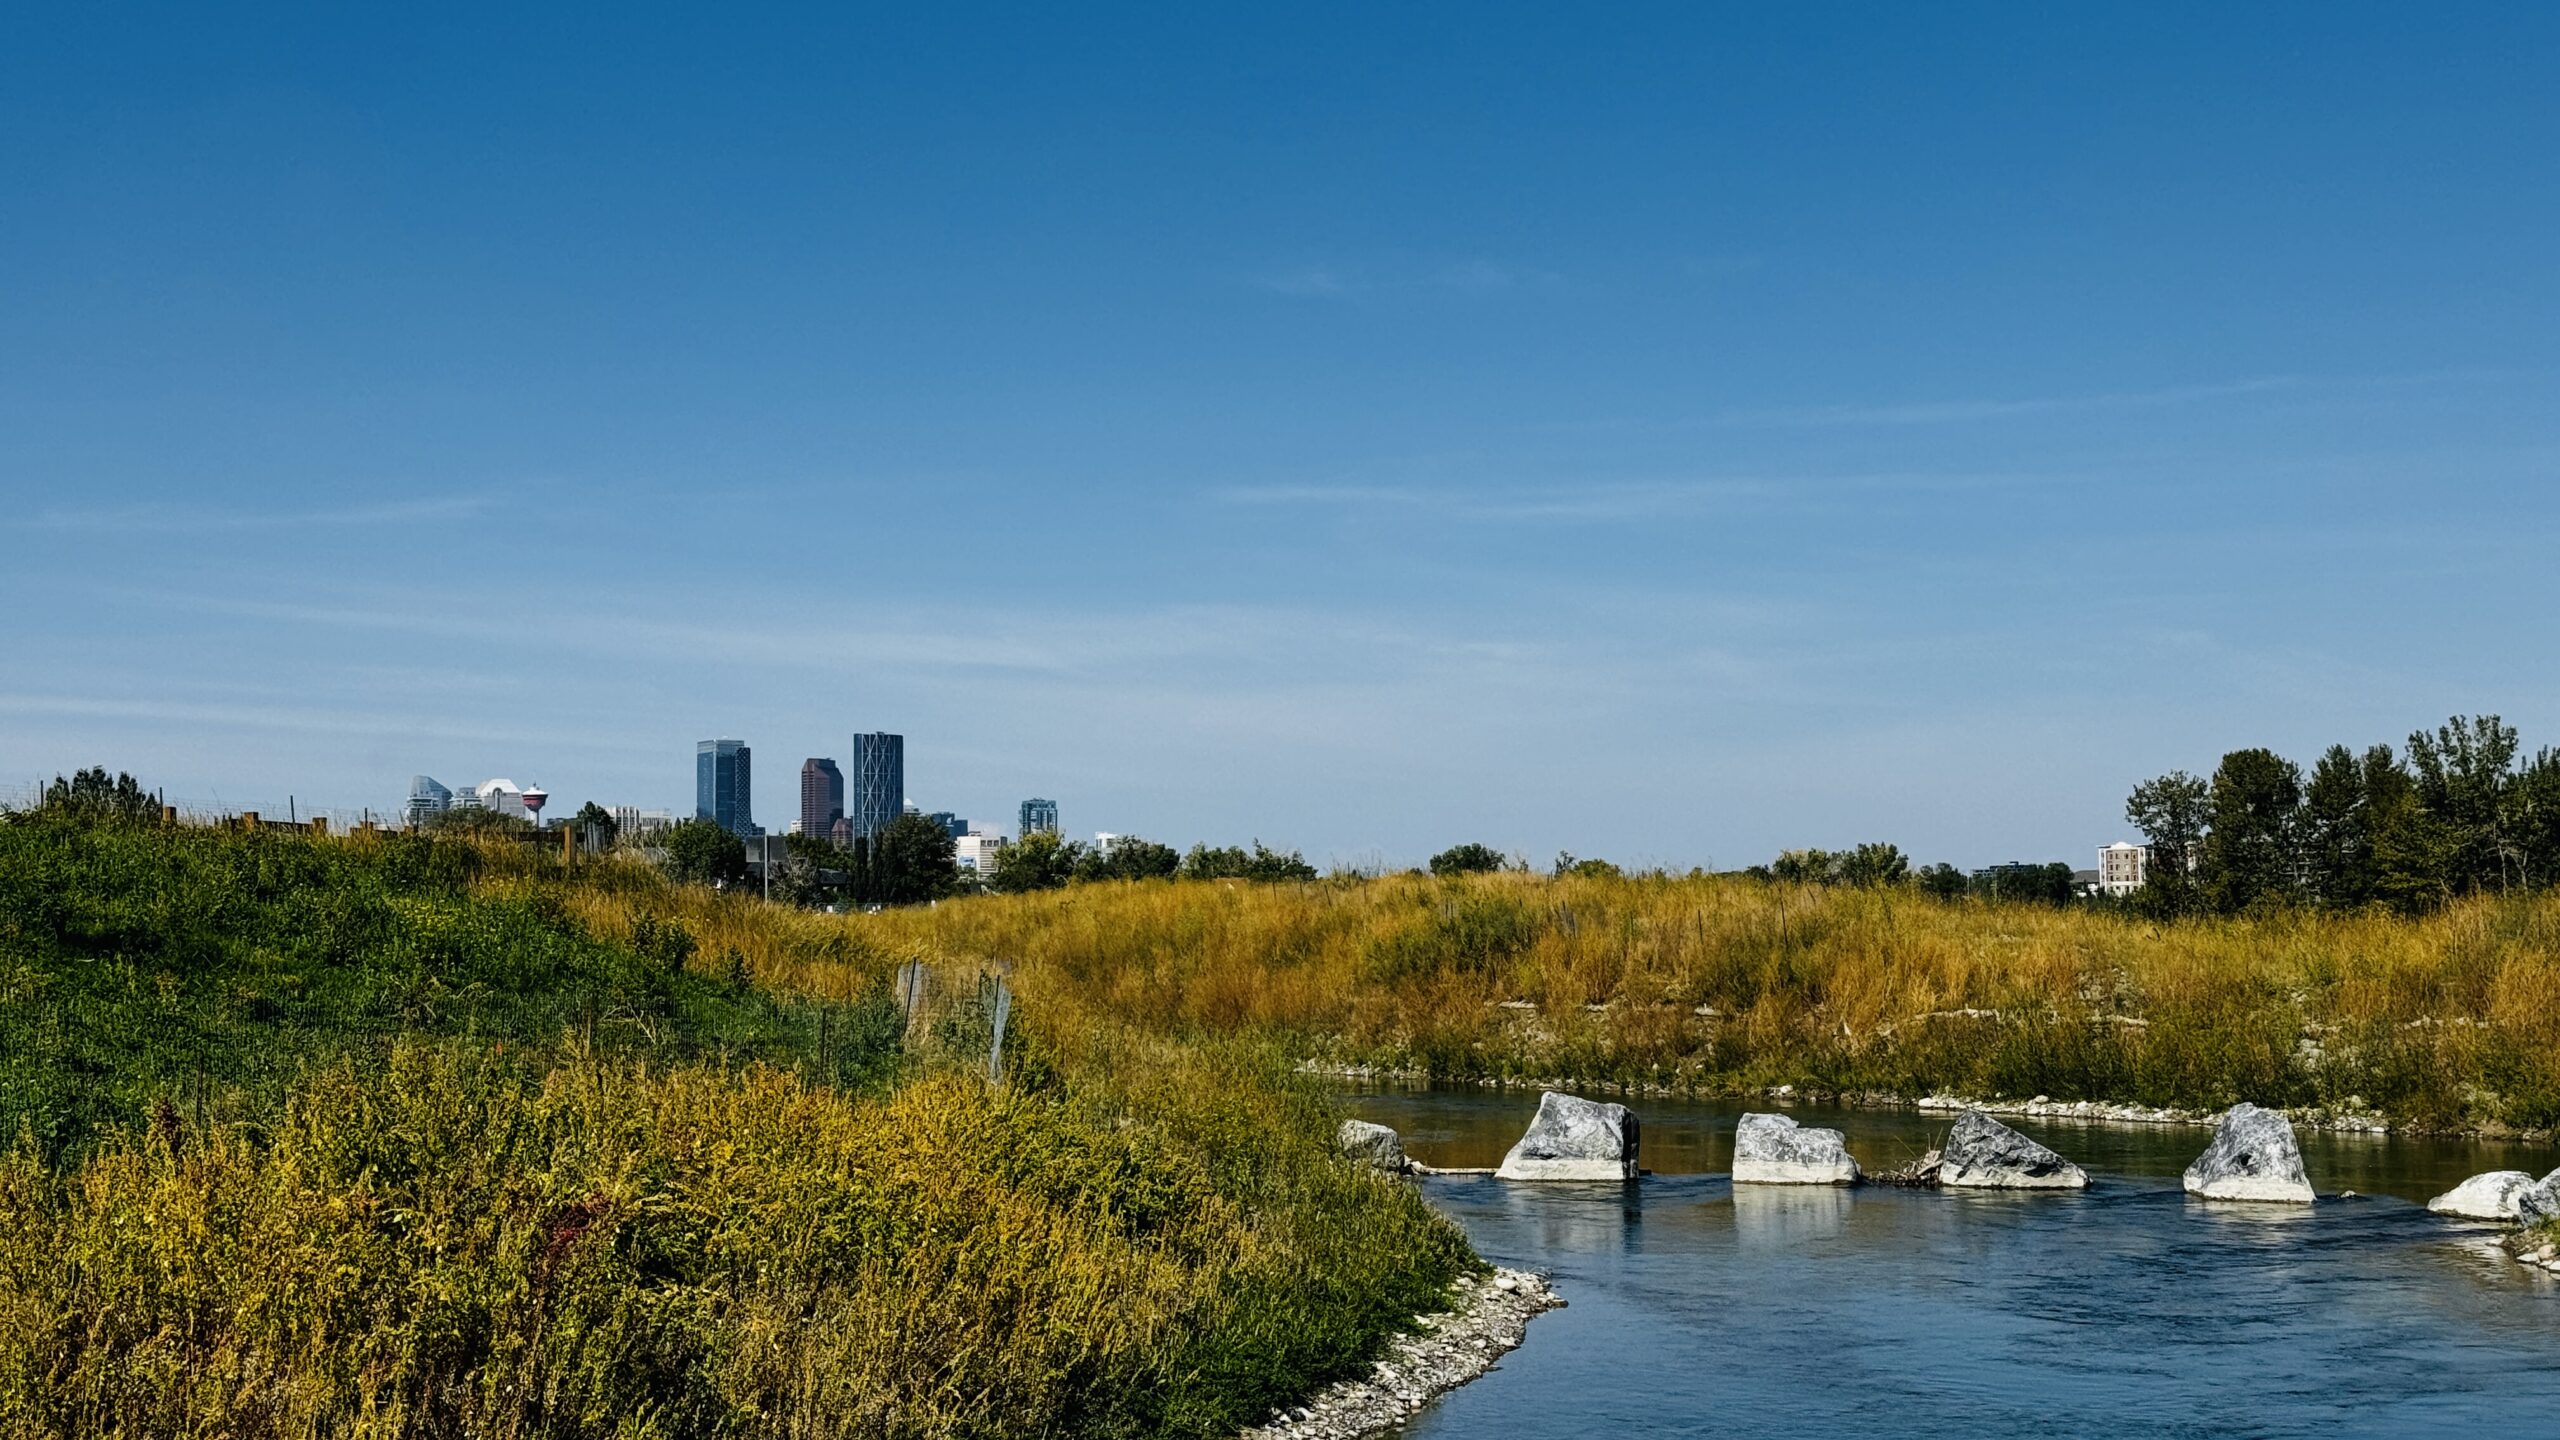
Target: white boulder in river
[(1574, 1139), (1983, 1154), (1375, 1144), (2253, 1157), (1775, 1150), (2484, 1197), (2539, 1202)]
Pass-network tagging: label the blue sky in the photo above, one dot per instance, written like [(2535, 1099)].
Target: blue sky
[(1668, 434)]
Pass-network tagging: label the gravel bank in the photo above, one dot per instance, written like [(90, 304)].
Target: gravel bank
[(2539, 1251), (1491, 1318), (2346, 1121)]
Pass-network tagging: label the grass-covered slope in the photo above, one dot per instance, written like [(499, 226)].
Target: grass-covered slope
[(1726, 984), (184, 965), (361, 1138)]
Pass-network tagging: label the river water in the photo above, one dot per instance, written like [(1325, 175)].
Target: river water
[(1702, 1308)]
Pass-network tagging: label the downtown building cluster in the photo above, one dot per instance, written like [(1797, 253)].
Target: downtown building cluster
[(846, 804)]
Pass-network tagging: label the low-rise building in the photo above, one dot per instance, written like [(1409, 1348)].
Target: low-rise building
[(2120, 867), (633, 823), (976, 851)]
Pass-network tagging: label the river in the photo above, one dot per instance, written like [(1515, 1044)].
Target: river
[(1702, 1308)]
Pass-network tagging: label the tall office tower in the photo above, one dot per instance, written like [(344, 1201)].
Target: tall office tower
[(952, 825), (723, 785), (427, 800), (1039, 817), (876, 791), (821, 798)]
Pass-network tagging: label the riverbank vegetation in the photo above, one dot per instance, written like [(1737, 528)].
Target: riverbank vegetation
[(1709, 984), (401, 1136)]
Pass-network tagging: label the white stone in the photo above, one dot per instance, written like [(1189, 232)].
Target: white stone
[(2253, 1157), (1983, 1154), (1574, 1139), (2540, 1201), (1375, 1144), (1775, 1150), (2484, 1197)]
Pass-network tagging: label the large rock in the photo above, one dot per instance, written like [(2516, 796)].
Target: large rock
[(2253, 1157), (2484, 1197), (1983, 1154), (2539, 1202), (1574, 1139), (1775, 1150), (1374, 1144)]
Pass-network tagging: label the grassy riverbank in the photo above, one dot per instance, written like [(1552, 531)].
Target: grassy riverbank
[(385, 1137), (1712, 985)]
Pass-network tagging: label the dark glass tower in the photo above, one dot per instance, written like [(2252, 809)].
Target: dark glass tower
[(1039, 817), (723, 784), (876, 790), (821, 798)]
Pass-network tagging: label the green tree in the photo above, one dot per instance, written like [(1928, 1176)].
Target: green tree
[(474, 820), (1277, 866), (1468, 859), (2022, 882), (2464, 773), (2253, 818), (1215, 862), (592, 817), (2536, 825), (1041, 860), (2337, 832), (2170, 812), (1567, 863), (1942, 881), (1873, 866), (1805, 867), (700, 852), (1127, 857), (911, 862), (2412, 851), (90, 795)]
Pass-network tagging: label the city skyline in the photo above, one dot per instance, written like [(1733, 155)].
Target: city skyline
[(1674, 436)]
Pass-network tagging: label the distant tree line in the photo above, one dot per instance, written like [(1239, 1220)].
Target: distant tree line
[(2464, 811), (1043, 860), (1879, 866)]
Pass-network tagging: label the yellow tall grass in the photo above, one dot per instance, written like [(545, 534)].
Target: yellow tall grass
[(1719, 984)]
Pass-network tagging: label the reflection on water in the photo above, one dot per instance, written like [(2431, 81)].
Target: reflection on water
[(1785, 1217), (1701, 1307)]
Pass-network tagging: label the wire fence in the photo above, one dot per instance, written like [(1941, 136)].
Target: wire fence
[(287, 811)]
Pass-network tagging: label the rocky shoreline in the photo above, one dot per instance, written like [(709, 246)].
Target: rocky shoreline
[(1489, 1320), (2319, 1118), (2541, 1251)]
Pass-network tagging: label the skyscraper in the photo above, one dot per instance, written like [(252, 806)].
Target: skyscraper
[(427, 800), (723, 785), (952, 825), (876, 792), (821, 797), (1039, 817)]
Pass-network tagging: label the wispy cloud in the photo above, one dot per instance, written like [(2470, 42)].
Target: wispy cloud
[(1468, 276), (166, 516), (1960, 411), (1602, 502), (1941, 412)]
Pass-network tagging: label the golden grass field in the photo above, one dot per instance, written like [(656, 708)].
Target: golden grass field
[(1718, 984)]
